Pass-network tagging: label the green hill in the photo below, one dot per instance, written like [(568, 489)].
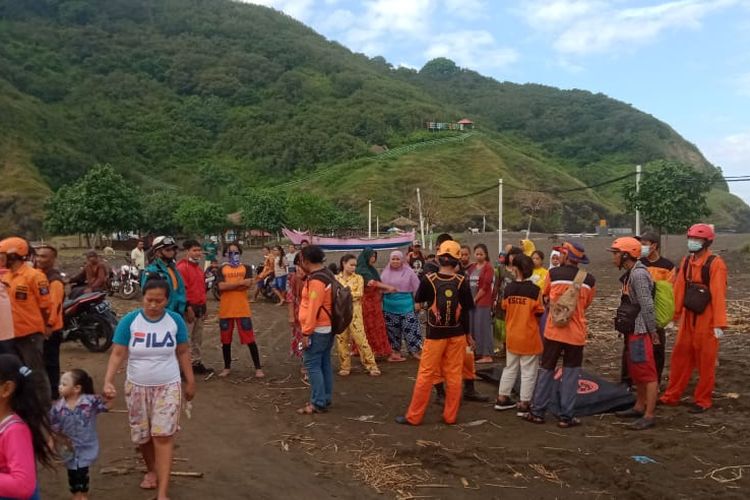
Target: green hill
[(204, 96)]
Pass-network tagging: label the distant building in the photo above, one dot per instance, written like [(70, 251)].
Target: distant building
[(434, 126)]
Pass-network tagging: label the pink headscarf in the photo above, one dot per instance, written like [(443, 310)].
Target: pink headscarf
[(404, 279)]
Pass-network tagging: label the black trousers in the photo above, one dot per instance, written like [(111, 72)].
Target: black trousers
[(78, 480), (52, 361)]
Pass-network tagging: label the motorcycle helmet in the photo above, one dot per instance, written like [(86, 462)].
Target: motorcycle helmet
[(161, 242)]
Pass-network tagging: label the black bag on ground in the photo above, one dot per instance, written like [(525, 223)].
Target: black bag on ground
[(697, 295)]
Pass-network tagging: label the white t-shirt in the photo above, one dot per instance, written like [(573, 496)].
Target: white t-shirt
[(151, 347), (138, 257)]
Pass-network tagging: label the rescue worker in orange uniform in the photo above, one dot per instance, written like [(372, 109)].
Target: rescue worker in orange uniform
[(446, 344), (29, 294), (702, 319)]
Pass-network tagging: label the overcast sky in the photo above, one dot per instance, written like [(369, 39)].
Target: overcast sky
[(687, 62)]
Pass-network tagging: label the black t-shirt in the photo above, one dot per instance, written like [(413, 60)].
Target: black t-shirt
[(426, 294)]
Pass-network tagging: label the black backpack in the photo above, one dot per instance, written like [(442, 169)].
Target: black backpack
[(697, 295), (341, 301), (445, 310)]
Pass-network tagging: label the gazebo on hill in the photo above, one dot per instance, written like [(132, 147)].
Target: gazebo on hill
[(465, 124)]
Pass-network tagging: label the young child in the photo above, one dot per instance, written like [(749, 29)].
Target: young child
[(24, 428), (522, 303), (74, 417)]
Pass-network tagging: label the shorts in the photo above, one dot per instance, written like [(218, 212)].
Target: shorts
[(78, 480), (153, 411), (279, 283), (244, 329), (641, 364)]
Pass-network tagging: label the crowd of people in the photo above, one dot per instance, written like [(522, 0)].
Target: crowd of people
[(449, 311)]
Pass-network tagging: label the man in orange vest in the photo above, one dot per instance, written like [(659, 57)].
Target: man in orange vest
[(701, 310)]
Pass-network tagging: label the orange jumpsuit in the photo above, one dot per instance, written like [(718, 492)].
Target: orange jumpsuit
[(696, 345)]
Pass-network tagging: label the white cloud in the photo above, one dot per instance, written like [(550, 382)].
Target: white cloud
[(583, 27), (338, 20), (732, 154), (465, 9), (472, 49)]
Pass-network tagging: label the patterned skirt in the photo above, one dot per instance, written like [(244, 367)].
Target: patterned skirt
[(372, 312)]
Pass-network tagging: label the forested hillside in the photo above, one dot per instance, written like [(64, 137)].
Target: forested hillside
[(206, 97)]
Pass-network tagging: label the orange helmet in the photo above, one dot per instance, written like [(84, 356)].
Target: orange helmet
[(702, 231), (15, 245), (628, 245)]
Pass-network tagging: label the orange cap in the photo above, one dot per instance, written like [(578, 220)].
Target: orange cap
[(451, 248)]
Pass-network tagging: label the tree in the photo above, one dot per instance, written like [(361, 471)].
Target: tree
[(101, 202), (158, 214), (263, 209), (672, 195), (311, 212), (199, 217)]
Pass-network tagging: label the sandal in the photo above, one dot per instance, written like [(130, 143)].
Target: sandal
[(309, 409), (396, 358), (567, 423), (375, 372), (534, 419), (344, 373), (149, 481)]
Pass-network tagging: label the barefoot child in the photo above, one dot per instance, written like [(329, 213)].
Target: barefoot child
[(24, 428), (522, 303), (74, 416)]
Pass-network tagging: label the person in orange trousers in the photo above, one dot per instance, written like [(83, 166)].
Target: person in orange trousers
[(446, 344), (699, 332)]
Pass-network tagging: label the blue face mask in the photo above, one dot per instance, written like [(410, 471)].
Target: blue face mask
[(234, 259), (694, 245), (645, 250)]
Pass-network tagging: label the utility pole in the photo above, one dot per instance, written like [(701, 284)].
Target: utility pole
[(499, 216), (369, 218), (637, 210), (421, 218)]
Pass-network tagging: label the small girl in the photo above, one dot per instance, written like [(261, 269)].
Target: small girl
[(23, 429), (74, 417)]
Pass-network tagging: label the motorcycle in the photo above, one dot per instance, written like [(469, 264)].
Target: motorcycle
[(90, 319), (266, 285), (212, 283), (125, 281)]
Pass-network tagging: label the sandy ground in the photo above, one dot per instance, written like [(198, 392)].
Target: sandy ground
[(246, 439)]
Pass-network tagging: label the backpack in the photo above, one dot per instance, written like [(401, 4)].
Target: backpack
[(445, 310), (341, 301), (562, 309), (697, 295), (663, 302)]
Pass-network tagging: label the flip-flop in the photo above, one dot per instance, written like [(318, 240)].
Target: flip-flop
[(568, 423), (148, 485), (309, 409)]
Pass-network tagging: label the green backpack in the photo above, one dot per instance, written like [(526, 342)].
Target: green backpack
[(663, 302)]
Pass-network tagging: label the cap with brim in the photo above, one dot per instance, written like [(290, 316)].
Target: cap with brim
[(574, 251), (650, 237), (450, 248)]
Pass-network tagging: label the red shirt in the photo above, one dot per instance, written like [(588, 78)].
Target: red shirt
[(195, 284)]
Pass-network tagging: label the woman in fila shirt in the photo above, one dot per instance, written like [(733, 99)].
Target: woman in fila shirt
[(155, 342)]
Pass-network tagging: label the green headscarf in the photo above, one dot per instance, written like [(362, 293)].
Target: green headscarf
[(364, 268)]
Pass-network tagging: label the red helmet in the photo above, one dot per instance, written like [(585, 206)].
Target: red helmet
[(628, 245), (702, 231)]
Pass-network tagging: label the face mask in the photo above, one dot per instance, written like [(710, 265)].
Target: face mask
[(645, 250), (234, 259), (694, 245), (194, 261)]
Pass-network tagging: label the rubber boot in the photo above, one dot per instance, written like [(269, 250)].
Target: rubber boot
[(439, 394), (471, 394)]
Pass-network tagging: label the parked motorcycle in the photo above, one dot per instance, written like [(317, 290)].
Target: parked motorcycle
[(125, 281), (211, 279), (266, 285), (90, 319)]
